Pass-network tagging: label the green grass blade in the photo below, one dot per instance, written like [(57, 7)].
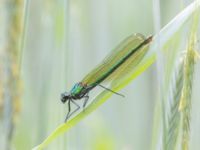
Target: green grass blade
[(98, 101), (166, 33)]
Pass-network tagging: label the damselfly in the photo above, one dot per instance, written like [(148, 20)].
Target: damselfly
[(115, 65)]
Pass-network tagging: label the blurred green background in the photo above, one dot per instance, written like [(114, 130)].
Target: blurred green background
[(63, 40)]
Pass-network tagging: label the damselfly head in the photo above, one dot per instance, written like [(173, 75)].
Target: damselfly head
[(65, 96)]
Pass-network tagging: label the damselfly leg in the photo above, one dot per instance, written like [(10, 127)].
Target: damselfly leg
[(69, 109), (85, 101), (111, 90)]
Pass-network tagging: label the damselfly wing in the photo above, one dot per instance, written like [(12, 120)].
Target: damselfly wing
[(105, 69)]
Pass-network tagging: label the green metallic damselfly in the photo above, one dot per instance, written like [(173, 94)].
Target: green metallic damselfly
[(114, 66)]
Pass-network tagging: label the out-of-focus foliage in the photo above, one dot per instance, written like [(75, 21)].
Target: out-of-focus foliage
[(10, 85)]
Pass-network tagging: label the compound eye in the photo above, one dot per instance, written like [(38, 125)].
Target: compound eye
[(65, 96)]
